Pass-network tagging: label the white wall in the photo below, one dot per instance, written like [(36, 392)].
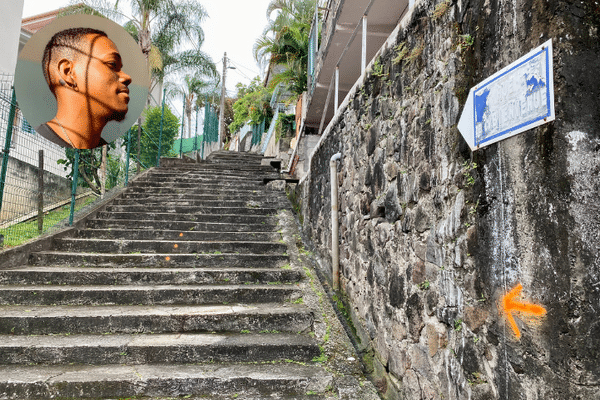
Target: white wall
[(10, 29)]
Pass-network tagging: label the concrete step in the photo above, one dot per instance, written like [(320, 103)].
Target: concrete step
[(167, 246), (198, 185), (179, 348), (215, 201), (215, 172), (239, 165), (230, 158), (234, 168), (135, 234), (158, 260), (147, 295), (172, 176), (47, 320), (60, 275), (232, 195), (221, 187), (193, 210), (181, 226), (223, 218), (208, 381), (221, 190)]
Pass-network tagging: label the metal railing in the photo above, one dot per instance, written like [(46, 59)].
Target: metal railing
[(43, 186)]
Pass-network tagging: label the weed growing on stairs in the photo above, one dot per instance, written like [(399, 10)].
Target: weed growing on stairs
[(322, 358), (344, 312)]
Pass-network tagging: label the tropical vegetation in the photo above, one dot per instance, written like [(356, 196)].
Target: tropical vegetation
[(152, 139), (169, 33), (285, 42), (252, 105)]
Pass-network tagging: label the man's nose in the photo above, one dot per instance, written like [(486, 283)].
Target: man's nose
[(126, 79)]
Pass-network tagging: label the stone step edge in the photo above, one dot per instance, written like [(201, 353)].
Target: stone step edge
[(70, 269), (57, 320), (167, 232), (173, 241), (120, 381), (155, 348), (24, 312), (151, 287)]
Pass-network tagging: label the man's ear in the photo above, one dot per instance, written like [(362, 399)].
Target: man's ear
[(65, 72)]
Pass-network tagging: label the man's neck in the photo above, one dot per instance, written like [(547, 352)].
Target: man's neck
[(77, 127)]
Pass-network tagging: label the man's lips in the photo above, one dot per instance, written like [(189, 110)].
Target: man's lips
[(126, 93)]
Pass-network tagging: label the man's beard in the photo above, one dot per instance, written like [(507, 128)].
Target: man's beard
[(118, 115)]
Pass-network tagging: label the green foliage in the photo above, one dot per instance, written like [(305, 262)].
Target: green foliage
[(285, 42), (285, 126), (191, 90), (458, 325), (346, 314), (169, 33), (441, 9), (151, 134), (464, 42), (477, 379), (378, 68), (115, 171), (415, 53), (253, 105), (469, 166), (401, 53), (89, 163)]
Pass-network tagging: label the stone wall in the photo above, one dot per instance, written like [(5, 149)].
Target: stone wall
[(433, 236)]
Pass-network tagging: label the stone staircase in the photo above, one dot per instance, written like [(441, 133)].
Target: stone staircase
[(188, 285)]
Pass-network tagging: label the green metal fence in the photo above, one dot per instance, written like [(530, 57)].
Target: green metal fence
[(211, 127), (257, 132), (43, 186), (189, 145)]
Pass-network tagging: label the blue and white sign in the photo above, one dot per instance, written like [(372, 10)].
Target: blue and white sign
[(513, 100)]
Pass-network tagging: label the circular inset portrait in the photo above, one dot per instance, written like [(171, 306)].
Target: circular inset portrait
[(82, 81)]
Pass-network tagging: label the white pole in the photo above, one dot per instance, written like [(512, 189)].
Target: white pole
[(222, 110), (335, 245), (363, 64), (337, 88)]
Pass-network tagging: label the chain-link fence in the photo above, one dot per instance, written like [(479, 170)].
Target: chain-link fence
[(43, 185), (210, 134), (33, 184)]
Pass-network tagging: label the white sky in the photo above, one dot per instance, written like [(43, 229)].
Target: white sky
[(233, 26)]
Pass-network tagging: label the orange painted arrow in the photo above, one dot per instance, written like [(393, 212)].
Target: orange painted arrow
[(510, 305)]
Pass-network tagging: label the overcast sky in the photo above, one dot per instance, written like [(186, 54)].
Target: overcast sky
[(233, 26)]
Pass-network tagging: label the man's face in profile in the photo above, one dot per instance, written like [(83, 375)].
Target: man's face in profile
[(101, 82)]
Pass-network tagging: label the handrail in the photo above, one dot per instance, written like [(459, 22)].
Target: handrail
[(271, 130)]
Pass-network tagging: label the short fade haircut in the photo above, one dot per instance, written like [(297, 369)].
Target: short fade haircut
[(65, 43)]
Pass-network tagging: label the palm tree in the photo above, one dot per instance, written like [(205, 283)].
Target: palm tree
[(162, 28), (285, 41), (191, 91), (169, 33)]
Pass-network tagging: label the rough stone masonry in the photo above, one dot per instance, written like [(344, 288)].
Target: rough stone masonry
[(433, 236)]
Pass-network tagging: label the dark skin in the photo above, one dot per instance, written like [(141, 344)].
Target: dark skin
[(91, 89)]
